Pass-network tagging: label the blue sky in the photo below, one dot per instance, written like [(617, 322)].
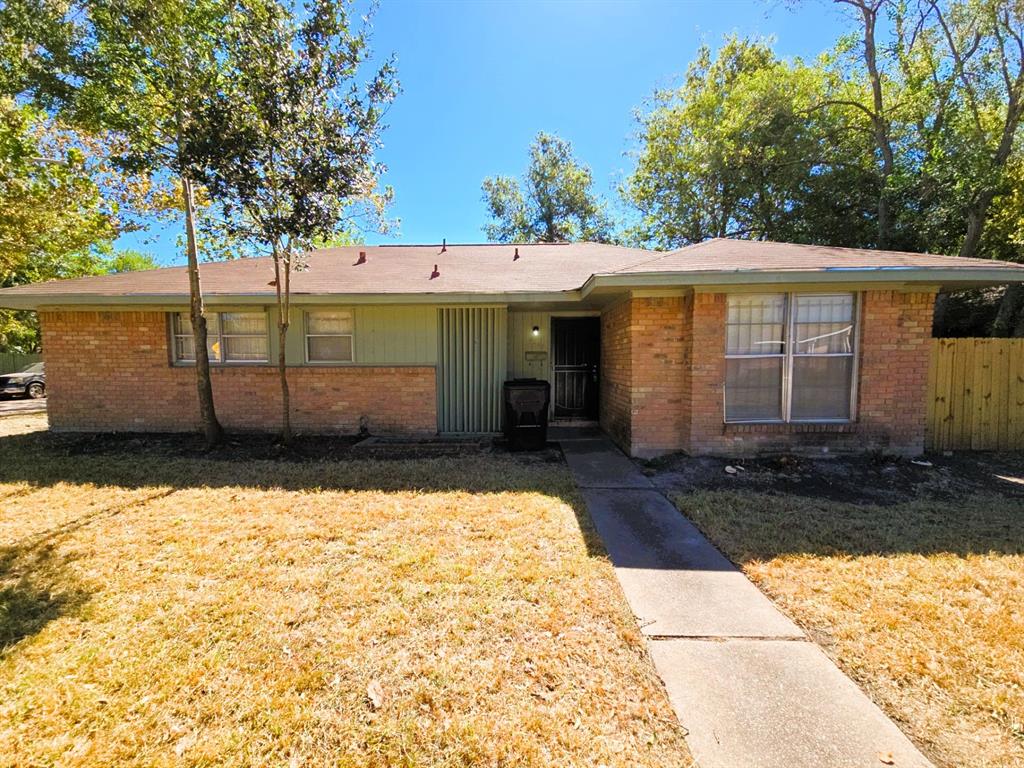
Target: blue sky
[(480, 79)]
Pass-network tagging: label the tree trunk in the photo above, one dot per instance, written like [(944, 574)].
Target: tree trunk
[(939, 315), (975, 224), (1010, 317), (212, 430), (283, 311), (879, 125)]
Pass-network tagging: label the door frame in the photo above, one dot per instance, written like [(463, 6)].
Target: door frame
[(571, 314)]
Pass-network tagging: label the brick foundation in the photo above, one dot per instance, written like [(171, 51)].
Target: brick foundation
[(111, 371), (668, 364)]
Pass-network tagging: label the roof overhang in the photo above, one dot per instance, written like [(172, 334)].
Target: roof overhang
[(891, 277), (597, 290)]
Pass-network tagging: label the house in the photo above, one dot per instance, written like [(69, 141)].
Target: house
[(725, 347)]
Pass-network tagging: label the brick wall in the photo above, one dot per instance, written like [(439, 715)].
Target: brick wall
[(616, 373), (895, 341), (644, 389), (664, 376), (660, 330), (893, 376), (110, 371)]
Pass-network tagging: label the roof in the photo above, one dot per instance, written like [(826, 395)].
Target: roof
[(725, 255), (546, 271)]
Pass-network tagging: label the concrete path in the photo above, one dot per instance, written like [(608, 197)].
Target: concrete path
[(745, 682), (20, 406)]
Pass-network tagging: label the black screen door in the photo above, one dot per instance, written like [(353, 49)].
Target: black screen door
[(577, 357)]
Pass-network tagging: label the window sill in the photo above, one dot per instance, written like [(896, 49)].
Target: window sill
[(792, 427)]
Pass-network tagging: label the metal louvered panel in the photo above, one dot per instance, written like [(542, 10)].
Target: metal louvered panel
[(471, 364)]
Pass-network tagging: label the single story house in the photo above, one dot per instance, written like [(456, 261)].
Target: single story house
[(725, 347)]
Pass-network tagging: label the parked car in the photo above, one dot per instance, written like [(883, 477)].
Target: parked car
[(30, 381)]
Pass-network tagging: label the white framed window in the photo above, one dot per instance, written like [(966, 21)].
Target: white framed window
[(330, 336), (231, 337), (790, 357)]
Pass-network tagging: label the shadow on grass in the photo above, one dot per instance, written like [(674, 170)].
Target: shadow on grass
[(750, 525), (35, 589), (36, 584), (177, 462)]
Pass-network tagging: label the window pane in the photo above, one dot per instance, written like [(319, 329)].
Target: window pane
[(755, 324), (183, 323), (242, 348), (753, 389), (334, 349), (329, 322), (823, 324), (183, 348), (821, 387), (244, 323)]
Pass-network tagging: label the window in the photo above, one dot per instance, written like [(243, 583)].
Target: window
[(790, 357), (329, 336), (231, 337)]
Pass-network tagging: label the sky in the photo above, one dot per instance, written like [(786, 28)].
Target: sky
[(481, 79)]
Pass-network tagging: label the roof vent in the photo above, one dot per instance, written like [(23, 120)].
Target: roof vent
[(435, 273), (516, 256), (362, 258), (444, 244)]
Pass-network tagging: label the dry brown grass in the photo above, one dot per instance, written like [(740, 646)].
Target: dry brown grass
[(160, 611), (921, 602)]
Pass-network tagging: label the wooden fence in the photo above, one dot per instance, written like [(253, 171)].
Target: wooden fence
[(976, 395), (13, 361)]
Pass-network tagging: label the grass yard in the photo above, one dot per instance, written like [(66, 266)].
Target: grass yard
[(917, 591), (158, 608)]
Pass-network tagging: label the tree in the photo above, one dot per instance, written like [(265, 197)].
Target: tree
[(289, 150), (554, 202), (140, 69), (59, 209), (128, 260), (740, 150)]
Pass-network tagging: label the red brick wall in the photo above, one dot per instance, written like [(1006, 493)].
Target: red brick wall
[(895, 339), (707, 375), (893, 376), (664, 376), (111, 371), (644, 358), (660, 332), (616, 373)]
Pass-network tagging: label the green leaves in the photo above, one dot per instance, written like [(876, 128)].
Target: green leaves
[(289, 132), (555, 201)]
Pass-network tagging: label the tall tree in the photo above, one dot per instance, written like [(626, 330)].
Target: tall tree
[(739, 149), (139, 68), (61, 207), (293, 131), (554, 201)]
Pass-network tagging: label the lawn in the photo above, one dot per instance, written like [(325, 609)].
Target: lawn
[(914, 585), (160, 607)]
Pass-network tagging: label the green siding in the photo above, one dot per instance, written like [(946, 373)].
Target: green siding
[(529, 355), (384, 335), (472, 355)]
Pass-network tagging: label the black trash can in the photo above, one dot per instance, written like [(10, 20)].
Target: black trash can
[(526, 413)]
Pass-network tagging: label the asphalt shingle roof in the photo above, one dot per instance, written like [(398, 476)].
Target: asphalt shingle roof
[(494, 269)]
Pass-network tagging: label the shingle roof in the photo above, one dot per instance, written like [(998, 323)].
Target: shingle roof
[(493, 269), (723, 255), (486, 268)]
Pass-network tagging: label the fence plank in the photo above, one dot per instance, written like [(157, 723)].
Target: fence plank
[(13, 361), (976, 395)]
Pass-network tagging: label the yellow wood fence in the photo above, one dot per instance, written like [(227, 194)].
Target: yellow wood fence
[(976, 395)]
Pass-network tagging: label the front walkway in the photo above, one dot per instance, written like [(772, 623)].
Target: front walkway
[(745, 682)]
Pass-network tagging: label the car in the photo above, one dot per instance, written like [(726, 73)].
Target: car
[(30, 381)]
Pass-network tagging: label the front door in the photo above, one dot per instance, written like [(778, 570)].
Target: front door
[(577, 356)]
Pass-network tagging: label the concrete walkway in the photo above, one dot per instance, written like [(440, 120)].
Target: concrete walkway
[(745, 682)]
